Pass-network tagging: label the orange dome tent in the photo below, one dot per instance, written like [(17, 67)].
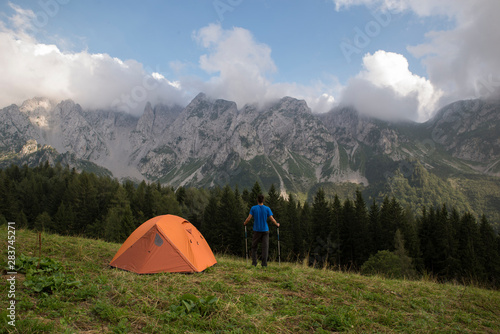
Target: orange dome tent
[(164, 244)]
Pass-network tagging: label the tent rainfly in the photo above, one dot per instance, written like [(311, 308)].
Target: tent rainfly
[(165, 243)]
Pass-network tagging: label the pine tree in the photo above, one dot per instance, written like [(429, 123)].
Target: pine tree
[(321, 228), (229, 223), (64, 219), (218, 229), (406, 265), (29, 196), (488, 252), (498, 251), (209, 223), (180, 195), (58, 188), (21, 220), (107, 190), (440, 243), (14, 173), (453, 260), (274, 201), (140, 209), (151, 196), (409, 230), (427, 237), (156, 202), (252, 199), (374, 228), (129, 189), (119, 221), (468, 248), (194, 204), (43, 222), (396, 214), (245, 196), (445, 238), (361, 239), (347, 234), (306, 228), (387, 225), (164, 202), (9, 205), (82, 193), (335, 226), (240, 216), (291, 229)]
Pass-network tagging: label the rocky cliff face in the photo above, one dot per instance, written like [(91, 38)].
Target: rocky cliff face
[(218, 142), (462, 135), (213, 142), (470, 130), (15, 129), (352, 129), (63, 127), (96, 136)]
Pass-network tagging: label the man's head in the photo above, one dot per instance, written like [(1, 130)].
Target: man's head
[(260, 199)]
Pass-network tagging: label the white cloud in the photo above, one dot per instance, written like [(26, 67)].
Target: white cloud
[(387, 89), (463, 61), (21, 21), (29, 68), (239, 66), (241, 69)]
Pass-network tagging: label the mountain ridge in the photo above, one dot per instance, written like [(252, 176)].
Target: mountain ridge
[(211, 142), (215, 129)]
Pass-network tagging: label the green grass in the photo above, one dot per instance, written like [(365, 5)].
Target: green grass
[(290, 298)]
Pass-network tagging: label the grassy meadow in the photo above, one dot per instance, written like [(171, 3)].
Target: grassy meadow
[(80, 293)]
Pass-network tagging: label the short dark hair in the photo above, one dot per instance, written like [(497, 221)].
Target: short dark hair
[(260, 198)]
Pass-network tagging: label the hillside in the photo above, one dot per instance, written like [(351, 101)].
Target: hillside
[(289, 298)]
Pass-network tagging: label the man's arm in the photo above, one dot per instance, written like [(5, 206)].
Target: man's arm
[(247, 220), (274, 221)]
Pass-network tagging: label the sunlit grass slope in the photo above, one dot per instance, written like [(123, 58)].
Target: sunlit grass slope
[(290, 298)]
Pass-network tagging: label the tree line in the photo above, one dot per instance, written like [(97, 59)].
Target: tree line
[(328, 232)]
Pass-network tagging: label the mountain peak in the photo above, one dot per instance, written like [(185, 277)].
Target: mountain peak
[(457, 126), (37, 103), (291, 106), (200, 97)]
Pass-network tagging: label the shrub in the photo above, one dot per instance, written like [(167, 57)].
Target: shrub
[(383, 263)]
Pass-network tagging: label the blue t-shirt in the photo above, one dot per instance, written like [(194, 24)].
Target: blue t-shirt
[(260, 213)]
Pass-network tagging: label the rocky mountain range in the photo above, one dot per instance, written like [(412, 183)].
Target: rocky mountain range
[(213, 142)]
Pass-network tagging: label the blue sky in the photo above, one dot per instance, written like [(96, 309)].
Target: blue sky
[(389, 58)]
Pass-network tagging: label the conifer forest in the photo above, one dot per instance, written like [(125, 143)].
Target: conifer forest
[(328, 232)]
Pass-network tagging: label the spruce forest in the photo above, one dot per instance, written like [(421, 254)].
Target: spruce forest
[(338, 233)]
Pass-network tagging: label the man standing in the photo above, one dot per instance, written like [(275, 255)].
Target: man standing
[(260, 213)]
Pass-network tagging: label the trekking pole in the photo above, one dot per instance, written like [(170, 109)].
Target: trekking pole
[(279, 253), (246, 244)]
